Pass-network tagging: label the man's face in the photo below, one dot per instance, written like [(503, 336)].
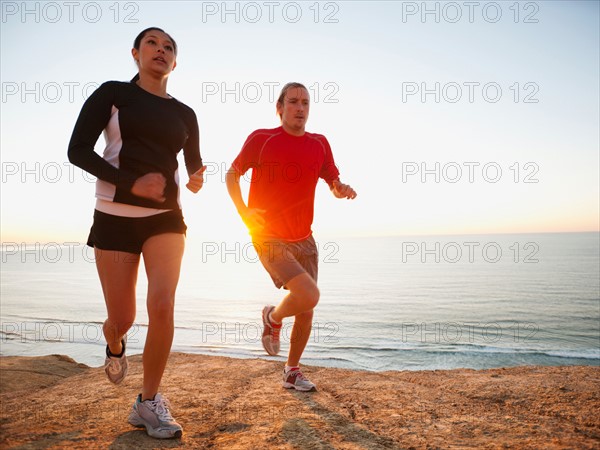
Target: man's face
[(294, 112)]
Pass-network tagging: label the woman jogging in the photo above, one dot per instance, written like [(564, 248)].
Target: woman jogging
[(138, 211)]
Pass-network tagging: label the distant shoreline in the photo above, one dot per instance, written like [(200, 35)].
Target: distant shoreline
[(8, 244)]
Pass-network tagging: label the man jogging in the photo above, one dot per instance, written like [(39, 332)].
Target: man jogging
[(286, 164)]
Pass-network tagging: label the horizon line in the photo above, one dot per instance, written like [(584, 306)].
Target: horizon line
[(4, 243)]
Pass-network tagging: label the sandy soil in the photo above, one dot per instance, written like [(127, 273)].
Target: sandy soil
[(53, 402)]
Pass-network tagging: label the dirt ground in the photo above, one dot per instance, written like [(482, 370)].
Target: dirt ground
[(53, 402)]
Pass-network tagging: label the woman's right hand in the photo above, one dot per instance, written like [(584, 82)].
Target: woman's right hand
[(150, 186)]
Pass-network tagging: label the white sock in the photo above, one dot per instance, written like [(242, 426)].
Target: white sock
[(288, 368)]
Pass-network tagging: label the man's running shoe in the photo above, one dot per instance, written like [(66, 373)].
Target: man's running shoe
[(270, 336), (115, 366), (154, 415), (295, 379)]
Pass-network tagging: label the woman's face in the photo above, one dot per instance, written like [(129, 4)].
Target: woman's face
[(156, 54)]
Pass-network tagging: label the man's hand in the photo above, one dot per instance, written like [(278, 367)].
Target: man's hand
[(150, 186), (341, 190), (253, 218), (196, 180)]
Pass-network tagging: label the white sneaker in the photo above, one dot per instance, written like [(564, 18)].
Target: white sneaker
[(270, 336), (295, 379), (116, 366), (154, 415)]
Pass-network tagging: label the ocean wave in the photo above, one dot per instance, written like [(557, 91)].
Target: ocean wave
[(579, 353), (26, 320), (583, 353), (591, 353)]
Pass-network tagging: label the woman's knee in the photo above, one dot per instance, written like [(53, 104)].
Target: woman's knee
[(161, 305)]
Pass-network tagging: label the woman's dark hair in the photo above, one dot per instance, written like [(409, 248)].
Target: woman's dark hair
[(138, 41), (284, 90)]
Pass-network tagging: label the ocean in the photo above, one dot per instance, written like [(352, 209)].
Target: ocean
[(387, 303)]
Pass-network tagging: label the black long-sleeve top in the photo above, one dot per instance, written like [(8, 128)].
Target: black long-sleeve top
[(143, 132)]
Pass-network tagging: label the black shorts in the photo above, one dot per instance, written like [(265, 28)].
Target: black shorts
[(128, 234), (286, 260)]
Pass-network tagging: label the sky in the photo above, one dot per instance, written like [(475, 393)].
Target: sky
[(446, 117)]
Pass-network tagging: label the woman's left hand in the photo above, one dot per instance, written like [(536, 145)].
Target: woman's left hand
[(196, 180)]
